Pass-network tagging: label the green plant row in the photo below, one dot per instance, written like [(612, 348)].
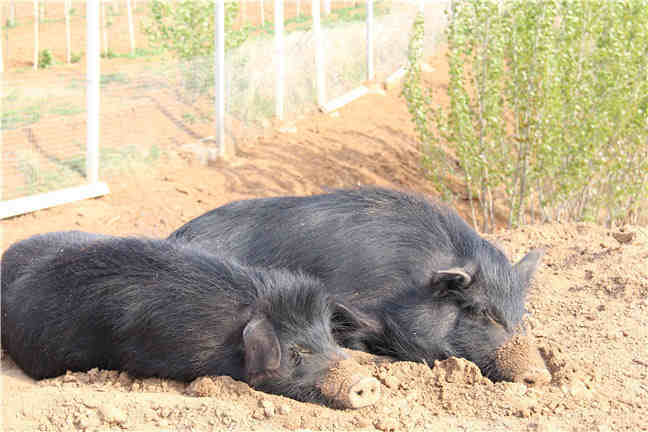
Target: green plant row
[(547, 113), (186, 28)]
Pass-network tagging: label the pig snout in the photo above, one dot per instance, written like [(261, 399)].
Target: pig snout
[(347, 385), (364, 392), (519, 360)]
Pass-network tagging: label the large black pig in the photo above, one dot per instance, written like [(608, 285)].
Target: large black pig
[(426, 284), (156, 308)]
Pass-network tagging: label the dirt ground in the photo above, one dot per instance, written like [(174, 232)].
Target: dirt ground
[(589, 300)]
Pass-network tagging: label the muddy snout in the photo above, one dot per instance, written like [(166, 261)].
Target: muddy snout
[(519, 360), (347, 385)]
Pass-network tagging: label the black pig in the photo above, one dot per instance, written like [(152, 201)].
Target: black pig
[(428, 285), (156, 308)]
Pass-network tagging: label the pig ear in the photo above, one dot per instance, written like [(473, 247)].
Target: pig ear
[(460, 276), (349, 318), (527, 266), (262, 350)]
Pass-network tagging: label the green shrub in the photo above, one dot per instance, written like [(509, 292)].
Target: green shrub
[(76, 57), (109, 54), (548, 110), (186, 28), (45, 59), (9, 24)]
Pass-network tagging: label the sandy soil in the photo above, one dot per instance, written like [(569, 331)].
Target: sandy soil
[(589, 301)]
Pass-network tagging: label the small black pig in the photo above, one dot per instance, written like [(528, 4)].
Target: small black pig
[(157, 308)]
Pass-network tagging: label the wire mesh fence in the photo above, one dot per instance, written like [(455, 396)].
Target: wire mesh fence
[(152, 102), (43, 136)]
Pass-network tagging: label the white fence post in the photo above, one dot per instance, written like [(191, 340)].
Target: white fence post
[(92, 92), (68, 42), (36, 18), (280, 61), (327, 7), (370, 50), (262, 15), (12, 13), (320, 77), (103, 26), (1, 70), (131, 31), (219, 74)]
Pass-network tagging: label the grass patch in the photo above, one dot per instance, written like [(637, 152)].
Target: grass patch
[(11, 97), (14, 119), (9, 25), (109, 54), (76, 57), (188, 118), (45, 59), (139, 53), (69, 172), (75, 84), (111, 78), (66, 110)]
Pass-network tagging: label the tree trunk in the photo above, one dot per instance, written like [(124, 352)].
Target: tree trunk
[(12, 13), (103, 26)]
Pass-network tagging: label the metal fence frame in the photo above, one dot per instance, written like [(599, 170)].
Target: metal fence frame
[(95, 188)]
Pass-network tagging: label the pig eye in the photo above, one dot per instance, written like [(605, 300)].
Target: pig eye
[(298, 353), (304, 351), (296, 358)]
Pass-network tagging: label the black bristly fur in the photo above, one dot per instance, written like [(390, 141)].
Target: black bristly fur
[(157, 308), (379, 251), (24, 255)]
